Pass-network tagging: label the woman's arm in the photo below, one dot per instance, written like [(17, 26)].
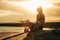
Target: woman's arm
[(37, 19)]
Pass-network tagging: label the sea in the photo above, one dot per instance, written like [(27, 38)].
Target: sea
[(7, 31)]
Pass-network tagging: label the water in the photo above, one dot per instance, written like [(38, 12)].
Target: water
[(16, 29), (6, 31), (11, 29)]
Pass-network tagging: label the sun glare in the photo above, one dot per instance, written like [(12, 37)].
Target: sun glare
[(33, 4)]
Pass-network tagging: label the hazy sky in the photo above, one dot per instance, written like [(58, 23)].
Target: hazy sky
[(13, 11)]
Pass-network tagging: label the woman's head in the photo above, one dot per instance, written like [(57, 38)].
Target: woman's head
[(39, 9), (27, 21)]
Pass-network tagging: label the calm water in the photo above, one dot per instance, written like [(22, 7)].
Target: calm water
[(16, 29), (8, 29), (11, 29)]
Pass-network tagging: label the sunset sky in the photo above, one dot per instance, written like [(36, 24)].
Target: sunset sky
[(16, 10)]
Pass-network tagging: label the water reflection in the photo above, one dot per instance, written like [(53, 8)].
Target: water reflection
[(17, 29), (48, 29), (11, 29)]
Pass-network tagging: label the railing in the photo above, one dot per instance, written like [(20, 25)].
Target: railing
[(11, 36)]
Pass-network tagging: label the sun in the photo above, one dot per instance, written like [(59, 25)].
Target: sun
[(33, 4)]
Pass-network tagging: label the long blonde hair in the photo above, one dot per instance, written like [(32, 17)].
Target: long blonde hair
[(39, 9)]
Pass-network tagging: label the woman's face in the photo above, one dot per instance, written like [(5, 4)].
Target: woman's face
[(39, 10)]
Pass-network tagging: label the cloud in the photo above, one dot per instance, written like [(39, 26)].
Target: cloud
[(53, 11), (7, 6), (56, 3), (12, 13), (7, 12), (15, 0), (19, 10), (52, 19), (16, 18), (10, 18)]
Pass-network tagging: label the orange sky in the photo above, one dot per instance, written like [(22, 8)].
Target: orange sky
[(12, 11)]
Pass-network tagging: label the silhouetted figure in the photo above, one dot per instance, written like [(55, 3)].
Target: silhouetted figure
[(36, 29), (40, 18), (25, 30), (28, 25), (29, 35)]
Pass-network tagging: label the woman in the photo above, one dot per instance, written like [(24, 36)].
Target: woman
[(40, 18)]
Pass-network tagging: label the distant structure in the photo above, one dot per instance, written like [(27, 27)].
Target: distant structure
[(21, 20)]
